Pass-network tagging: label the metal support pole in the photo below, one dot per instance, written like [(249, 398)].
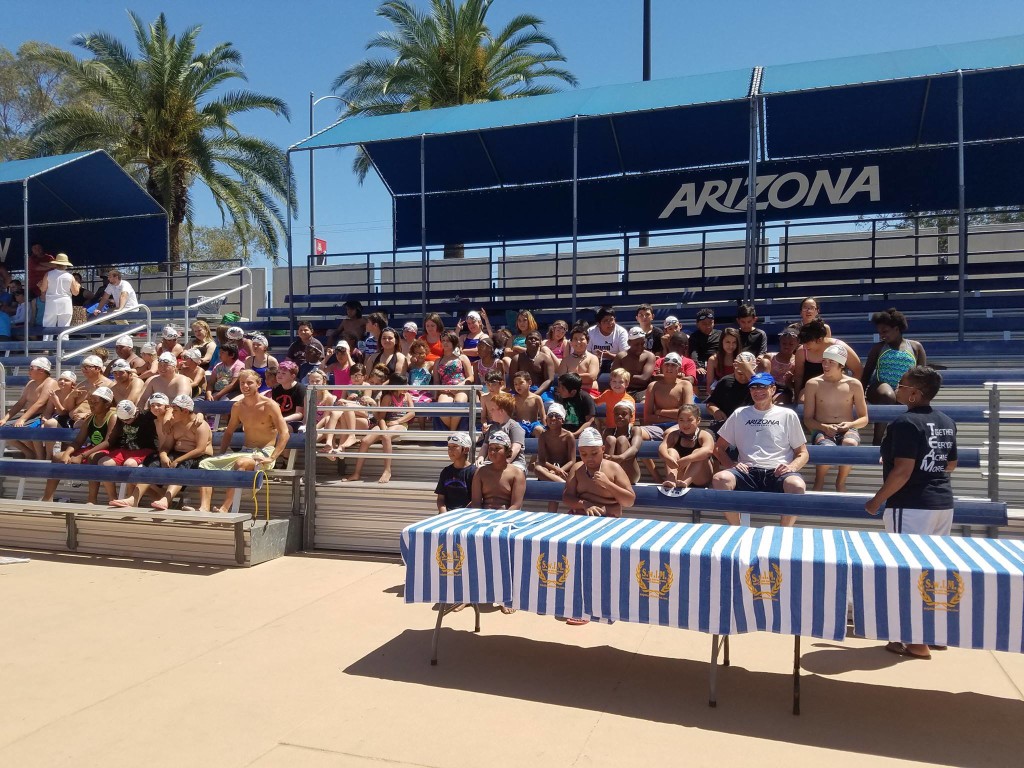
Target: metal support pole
[(29, 304), (309, 474), (423, 223), (312, 191), (962, 266), (575, 203), (291, 245), (994, 405), (750, 251), (644, 240)]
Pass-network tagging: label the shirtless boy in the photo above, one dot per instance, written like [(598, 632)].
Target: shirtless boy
[(622, 442), (127, 385), (597, 486), (535, 363), (638, 361), (556, 450), (529, 406), (580, 360), (830, 400), (664, 397), (498, 484), (75, 407), (32, 405), (266, 438), (167, 379)]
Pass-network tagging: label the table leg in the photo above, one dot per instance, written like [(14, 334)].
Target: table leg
[(725, 659), (796, 675), (716, 644), (476, 610), (442, 609)]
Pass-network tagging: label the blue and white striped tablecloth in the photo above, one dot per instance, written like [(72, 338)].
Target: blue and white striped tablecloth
[(460, 557), (791, 581), (938, 590)]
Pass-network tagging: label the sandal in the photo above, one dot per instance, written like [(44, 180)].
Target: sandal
[(901, 650), (577, 622), (506, 609)]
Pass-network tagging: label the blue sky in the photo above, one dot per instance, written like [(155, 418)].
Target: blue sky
[(291, 49)]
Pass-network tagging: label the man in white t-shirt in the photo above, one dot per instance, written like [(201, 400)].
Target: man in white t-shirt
[(771, 444), (119, 291), (606, 338)]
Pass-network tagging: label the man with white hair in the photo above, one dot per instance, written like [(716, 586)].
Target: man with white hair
[(597, 487), (167, 379), (31, 406)]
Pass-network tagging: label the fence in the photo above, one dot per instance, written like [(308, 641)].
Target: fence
[(103, 340)]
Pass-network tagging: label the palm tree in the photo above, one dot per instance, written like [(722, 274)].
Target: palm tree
[(449, 57), (156, 115)]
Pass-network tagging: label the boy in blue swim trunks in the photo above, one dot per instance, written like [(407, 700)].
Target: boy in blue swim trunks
[(31, 405), (529, 406)]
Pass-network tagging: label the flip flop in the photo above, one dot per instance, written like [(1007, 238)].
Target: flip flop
[(459, 607), (507, 610), (577, 622), (121, 503), (901, 650)]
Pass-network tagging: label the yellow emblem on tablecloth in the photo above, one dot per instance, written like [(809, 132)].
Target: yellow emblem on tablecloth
[(450, 563), (941, 595), (553, 574), (764, 586), (654, 584)]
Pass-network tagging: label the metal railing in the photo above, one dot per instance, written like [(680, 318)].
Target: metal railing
[(470, 409), (223, 294), (3, 388), (103, 341)]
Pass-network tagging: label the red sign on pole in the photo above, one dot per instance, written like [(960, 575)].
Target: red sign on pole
[(319, 246)]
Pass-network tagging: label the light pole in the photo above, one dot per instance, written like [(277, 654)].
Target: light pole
[(312, 190)]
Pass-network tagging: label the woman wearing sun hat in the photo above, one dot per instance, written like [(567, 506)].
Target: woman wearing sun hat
[(57, 287)]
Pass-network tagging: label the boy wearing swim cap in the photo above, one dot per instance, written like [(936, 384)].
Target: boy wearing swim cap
[(834, 410), (622, 441), (498, 484), (556, 450), (597, 486), (456, 480)]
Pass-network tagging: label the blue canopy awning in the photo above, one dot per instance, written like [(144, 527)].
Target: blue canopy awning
[(844, 137), (82, 204)]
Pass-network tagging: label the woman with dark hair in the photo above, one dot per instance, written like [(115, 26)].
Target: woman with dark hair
[(388, 353), (810, 309), (814, 339), (888, 360)]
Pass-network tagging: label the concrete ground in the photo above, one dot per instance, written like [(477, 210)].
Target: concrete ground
[(315, 661)]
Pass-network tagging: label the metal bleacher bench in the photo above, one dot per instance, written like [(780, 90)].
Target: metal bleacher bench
[(966, 511)]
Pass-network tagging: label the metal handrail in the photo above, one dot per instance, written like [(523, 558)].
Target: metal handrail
[(208, 299), (106, 318)]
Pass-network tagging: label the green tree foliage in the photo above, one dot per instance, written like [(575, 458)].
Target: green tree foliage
[(215, 247), (448, 57), (157, 115), (30, 89)]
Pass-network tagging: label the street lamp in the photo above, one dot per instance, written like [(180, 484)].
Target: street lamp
[(312, 191)]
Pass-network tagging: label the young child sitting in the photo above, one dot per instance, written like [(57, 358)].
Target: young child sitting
[(556, 450), (456, 480), (618, 383), (686, 451), (494, 383), (529, 406), (622, 441), (579, 406)]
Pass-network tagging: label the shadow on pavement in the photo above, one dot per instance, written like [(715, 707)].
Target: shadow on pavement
[(920, 725)]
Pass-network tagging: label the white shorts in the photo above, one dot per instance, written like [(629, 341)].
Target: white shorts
[(926, 522)]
